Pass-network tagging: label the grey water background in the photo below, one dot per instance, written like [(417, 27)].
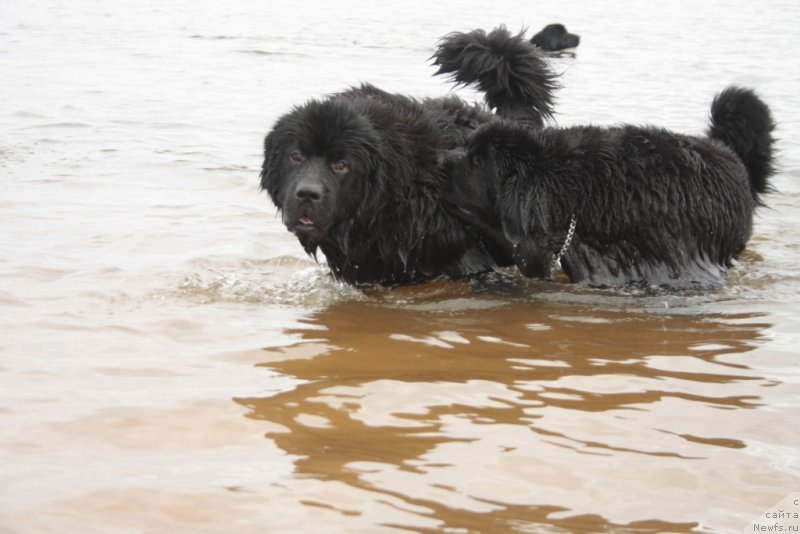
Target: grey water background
[(171, 361)]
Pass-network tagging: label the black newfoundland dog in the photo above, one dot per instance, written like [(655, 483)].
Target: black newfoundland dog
[(623, 205), (356, 174), (555, 37)]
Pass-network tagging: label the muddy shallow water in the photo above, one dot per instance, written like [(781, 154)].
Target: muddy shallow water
[(170, 361)]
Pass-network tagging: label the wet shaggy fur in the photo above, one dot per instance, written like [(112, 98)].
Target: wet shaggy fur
[(515, 79), (555, 37), (653, 208), (355, 175)]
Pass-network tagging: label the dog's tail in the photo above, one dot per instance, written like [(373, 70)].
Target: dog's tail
[(513, 74), (743, 121)]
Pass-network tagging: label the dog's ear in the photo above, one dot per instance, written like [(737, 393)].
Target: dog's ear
[(513, 219), (527, 241), (524, 216), (523, 208), (270, 181)]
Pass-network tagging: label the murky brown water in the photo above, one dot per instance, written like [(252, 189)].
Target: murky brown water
[(458, 406), (489, 415), (171, 362)]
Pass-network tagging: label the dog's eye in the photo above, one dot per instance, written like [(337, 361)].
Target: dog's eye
[(296, 156), (340, 167)]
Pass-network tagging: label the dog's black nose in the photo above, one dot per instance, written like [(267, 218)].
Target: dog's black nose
[(309, 192)]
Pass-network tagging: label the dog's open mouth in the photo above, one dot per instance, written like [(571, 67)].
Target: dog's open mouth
[(306, 227)]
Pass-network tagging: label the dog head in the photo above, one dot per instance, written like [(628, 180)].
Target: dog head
[(492, 189), (555, 37), (318, 159), (471, 194)]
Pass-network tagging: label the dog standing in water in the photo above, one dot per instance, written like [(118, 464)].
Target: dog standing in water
[(619, 206), (356, 175)]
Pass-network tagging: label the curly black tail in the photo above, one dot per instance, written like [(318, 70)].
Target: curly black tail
[(513, 74), (743, 121)]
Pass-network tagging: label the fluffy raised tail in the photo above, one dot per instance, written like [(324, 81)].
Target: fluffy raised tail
[(513, 75), (743, 121)]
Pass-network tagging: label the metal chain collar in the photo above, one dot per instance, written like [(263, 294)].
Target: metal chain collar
[(570, 234)]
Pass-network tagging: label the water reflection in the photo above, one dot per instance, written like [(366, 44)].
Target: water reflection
[(493, 411)]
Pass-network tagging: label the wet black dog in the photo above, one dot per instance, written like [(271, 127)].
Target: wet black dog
[(356, 176), (624, 205), (555, 37)]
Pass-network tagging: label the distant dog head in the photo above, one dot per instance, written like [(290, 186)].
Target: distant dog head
[(318, 159), (555, 37)]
